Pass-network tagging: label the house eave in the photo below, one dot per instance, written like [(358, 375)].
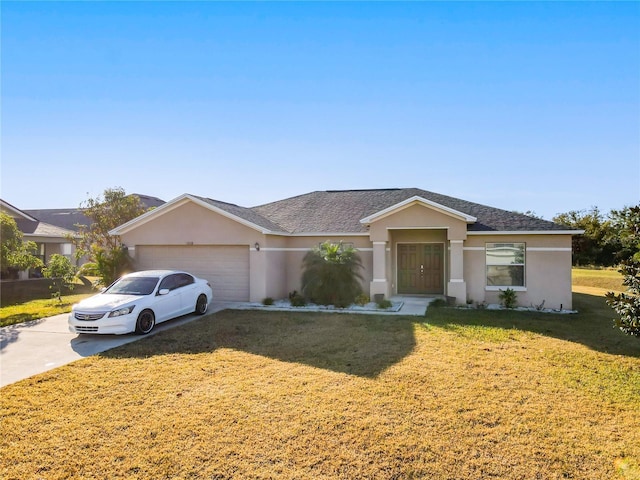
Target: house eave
[(529, 232)]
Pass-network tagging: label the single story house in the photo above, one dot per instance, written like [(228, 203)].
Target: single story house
[(411, 241), (49, 239)]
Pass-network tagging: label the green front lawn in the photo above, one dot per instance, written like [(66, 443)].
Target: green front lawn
[(36, 309), (604, 278), (460, 394)]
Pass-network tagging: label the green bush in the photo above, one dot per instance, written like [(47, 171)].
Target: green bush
[(331, 275), (267, 301), (384, 304), (62, 272), (438, 303), (362, 299), (508, 298), (297, 300)]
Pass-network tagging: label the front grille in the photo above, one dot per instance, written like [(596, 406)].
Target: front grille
[(89, 317), (86, 329)]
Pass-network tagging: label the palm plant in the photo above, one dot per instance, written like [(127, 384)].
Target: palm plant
[(332, 275)]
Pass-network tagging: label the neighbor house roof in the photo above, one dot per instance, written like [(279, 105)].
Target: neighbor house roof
[(343, 210), (31, 226), (70, 217)]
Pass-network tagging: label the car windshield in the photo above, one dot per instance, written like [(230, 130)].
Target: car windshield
[(134, 286)]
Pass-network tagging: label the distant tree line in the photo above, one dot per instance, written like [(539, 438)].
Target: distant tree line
[(606, 240)]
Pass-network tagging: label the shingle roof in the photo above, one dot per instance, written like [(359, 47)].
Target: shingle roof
[(341, 211), (62, 217), (42, 229), (70, 217), (244, 213)]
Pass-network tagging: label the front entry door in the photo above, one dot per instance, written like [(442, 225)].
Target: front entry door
[(421, 268)]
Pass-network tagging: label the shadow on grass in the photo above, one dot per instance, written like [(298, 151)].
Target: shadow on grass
[(363, 345), (592, 326)]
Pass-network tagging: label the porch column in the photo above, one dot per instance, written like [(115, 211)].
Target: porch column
[(380, 284), (457, 287)]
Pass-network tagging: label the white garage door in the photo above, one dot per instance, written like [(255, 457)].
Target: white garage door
[(226, 267)]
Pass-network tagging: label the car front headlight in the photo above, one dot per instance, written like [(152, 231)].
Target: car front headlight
[(122, 311)]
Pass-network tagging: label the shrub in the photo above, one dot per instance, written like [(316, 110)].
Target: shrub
[(438, 303), (62, 272), (384, 304), (508, 298), (267, 301), (362, 299), (297, 300), (332, 275)]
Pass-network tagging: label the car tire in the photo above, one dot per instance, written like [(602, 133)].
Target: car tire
[(202, 304), (145, 323)]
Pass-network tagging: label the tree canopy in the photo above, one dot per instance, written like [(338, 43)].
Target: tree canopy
[(107, 256), (16, 253), (604, 242)]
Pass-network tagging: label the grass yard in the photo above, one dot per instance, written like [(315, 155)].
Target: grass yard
[(36, 309), (458, 394), (606, 279)]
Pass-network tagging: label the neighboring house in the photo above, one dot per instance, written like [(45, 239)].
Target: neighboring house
[(411, 241), (69, 218), (49, 238)]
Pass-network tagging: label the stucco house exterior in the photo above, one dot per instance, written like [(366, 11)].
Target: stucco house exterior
[(411, 241)]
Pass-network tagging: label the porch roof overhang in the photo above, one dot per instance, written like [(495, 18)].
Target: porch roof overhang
[(417, 200)]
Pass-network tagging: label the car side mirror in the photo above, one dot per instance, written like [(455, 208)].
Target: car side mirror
[(163, 291)]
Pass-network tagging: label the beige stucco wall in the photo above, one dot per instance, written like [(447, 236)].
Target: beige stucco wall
[(547, 269), (419, 217), (190, 222)]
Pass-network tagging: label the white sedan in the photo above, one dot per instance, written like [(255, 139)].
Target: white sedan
[(137, 301)]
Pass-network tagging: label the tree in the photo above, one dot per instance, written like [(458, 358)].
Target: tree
[(332, 275), (627, 305), (62, 272), (594, 246), (107, 256), (16, 253), (624, 232), (529, 213)]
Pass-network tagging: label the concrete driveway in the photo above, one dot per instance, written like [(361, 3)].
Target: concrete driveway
[(34, 347)]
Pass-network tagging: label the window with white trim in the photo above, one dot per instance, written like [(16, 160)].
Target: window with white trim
[(505, 264)]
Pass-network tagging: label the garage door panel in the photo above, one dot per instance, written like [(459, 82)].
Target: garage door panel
[(225, 267)]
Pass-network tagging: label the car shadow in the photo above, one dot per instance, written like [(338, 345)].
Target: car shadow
[(362, 345), (88, 344)]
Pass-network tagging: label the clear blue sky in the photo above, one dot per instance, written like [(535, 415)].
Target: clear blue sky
[(522, 106)]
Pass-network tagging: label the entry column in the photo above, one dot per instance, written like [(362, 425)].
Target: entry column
[(457, 287), (380, 283)]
